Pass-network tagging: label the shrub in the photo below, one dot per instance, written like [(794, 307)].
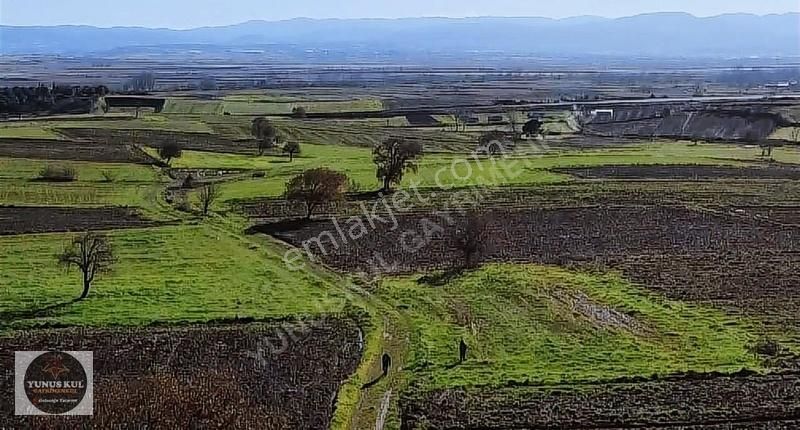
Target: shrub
[(299, 112), (189, 181), (354, 186), (108, 176), (58, 174), (767, 348)]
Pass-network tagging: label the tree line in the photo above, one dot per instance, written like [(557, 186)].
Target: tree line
[(49, 99)]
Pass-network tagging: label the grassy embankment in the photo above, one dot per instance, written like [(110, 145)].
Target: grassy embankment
[(546, 325)]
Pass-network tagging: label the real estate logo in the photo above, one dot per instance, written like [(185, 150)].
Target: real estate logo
[(53, 383)]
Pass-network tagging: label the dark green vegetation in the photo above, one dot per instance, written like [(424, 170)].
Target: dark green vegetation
[(605, 259)]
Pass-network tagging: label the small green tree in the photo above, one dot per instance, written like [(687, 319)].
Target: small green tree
[(170, 150), (316, 187), (299, 112)]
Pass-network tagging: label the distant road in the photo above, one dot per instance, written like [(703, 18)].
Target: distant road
[(444, 110)]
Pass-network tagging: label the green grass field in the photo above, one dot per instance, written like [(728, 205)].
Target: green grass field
[(785, 133), (171, 274), (28, 131), (28, 169), (255, 104), (534, 324), (131, 185), (194, 107), (451, 170)]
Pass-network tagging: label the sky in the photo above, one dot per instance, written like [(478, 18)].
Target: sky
[(181, 14)]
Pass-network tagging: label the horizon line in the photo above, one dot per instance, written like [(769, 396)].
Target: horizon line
[(301, 18)]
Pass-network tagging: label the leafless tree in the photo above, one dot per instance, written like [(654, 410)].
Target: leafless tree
[(795, 133), (472, 238), (265, 133), (513, 122), (315, 187), (92, 253), (208, 195)]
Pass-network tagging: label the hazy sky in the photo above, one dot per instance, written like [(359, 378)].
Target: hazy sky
[(194, 13)]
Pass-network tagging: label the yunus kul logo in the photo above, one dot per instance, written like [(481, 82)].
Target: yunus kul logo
[(53, 383)]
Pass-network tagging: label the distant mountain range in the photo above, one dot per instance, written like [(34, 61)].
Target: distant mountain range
[(652, 35)]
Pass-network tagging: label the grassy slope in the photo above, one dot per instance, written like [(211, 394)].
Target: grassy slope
[(521, 329), (168, 274)]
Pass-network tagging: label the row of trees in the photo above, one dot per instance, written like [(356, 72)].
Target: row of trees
[(46, 99)]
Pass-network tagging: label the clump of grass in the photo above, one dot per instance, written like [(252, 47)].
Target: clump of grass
[(108, 176), (355, 186), (52, 173), (767, 347)]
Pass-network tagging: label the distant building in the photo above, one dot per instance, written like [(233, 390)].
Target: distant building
[(780, 85), (603, 115)]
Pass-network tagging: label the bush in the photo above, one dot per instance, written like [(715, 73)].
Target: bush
[(354, 186), (189, 181), (108, 176), (299, 112), (183, 205), (58, 174), (767, 348)]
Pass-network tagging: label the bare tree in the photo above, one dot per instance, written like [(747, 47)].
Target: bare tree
[(766, 149), (513, 122), (472, 239), (145, 81), (795, 133), (460, 116), (92, 254), (265, 133), (208, 195), (316, 187), (393, 157)]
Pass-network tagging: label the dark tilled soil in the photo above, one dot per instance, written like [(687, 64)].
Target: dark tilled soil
[(155, 138), (49, 149), (243, 377), (755, 402), (683, 172), (23, 220), (739, 263), (550, 236)]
